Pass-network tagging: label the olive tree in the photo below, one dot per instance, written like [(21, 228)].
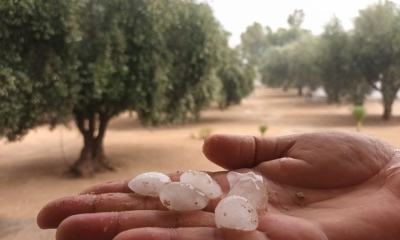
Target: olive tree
[(237, 78), (302, 58), (195, 42), (92, 60), (275, 72), (157, 58), (340, 77), (377, 49)]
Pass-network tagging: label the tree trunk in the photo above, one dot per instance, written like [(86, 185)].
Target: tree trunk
[(389, 94), (99, 156), (92, 158), (300, 91), (285, 86), (387, 113)]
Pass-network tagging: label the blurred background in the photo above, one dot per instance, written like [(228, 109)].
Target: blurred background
[(101, 90)]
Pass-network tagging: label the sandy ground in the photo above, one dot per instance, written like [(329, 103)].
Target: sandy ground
[(31, 171)]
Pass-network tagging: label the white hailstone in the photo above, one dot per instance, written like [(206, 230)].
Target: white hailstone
[(236, 212), (203, 182), (183, 197), (250, 186), (149, 184)]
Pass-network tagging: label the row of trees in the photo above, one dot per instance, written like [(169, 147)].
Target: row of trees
[(347, 64), (92, 60)]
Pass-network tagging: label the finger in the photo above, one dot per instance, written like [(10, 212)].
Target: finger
[(189, 233), (58, 210), (55, 212), (330, 159), (105, 226), (393, 177), (110, 187), (235, 151), (278, 226)]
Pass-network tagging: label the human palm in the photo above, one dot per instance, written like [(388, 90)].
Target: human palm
[(327, 185)]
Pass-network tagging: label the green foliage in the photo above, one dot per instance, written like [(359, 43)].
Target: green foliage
[(309, 61), (284, 36), (237, 79), (195, 41), (254, 43), (340, 78), (263, 129), (92, 60), (359, 114), (302, 59), (296, 19), (275, 72), (37, 67), (257, 41), (122, 59), (282, 56), (377, 49), (347, 64)]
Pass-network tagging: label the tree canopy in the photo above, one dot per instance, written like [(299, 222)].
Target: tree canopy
[(340, 77), (347, 64), (92, 60), (377, 49), (37, 66)]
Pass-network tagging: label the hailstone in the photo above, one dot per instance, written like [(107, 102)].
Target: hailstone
[(149, 184), (183, 197), (250, 186), (203, 182), (236, 212)]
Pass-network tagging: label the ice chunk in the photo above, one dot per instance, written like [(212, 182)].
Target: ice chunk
[(235, 177), (203, 182), (250, 186), (149, 184), (183, 197), (236, 212)]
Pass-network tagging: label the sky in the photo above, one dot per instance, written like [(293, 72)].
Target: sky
[(236, 15)]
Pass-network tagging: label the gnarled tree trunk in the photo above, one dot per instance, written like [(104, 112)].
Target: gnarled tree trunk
[(92, 158)]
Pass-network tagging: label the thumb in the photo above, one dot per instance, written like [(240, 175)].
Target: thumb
[(241, 151)]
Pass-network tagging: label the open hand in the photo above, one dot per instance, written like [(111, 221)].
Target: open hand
[(322, 186)]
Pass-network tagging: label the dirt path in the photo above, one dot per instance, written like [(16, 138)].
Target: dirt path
[(31, 171)]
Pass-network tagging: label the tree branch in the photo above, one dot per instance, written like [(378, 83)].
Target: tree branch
[(80, 122), (103, 119), (373, 85), (92, 123)]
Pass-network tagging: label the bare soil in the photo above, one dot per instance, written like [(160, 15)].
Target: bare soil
[(31, 171)]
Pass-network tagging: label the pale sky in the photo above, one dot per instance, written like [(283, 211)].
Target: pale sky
[(236, 15)]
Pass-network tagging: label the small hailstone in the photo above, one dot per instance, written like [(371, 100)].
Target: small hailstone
[(183, 197), (203, 182), (250, 186), (149, 184), (236, 212)]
